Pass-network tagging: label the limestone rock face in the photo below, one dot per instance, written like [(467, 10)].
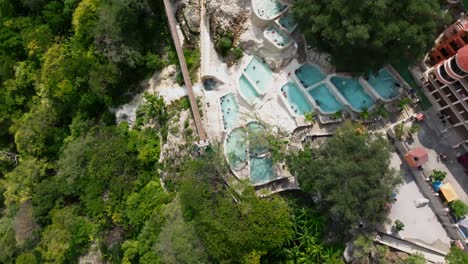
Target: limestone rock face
[(224, 12), (191, 14)]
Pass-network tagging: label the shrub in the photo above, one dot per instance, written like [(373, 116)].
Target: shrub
[(438, 175), (399, 226), (459, 208), (399, 132), (414, 128)]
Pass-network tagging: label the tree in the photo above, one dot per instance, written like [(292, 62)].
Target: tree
[(459, 208), (67, 237), (306, 244), (351, 174), (364, 35), (231, 226), (26, 258), (309, 117), (399, 130), (438, 176), (399, 226), (178, 241), (456, 256), (414, 128)]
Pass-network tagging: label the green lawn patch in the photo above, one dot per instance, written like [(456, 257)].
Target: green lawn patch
[(402, 69)]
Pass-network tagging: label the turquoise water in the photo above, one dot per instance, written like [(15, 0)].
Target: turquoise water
[(353, 92), (247, 89), (229, 108), (287, 21), (260, 74), (268, 8), (325, 99), (257, 143), (296, 99), (236, 147), (261, 170), (309, 74), (277, 36), (384, 84)]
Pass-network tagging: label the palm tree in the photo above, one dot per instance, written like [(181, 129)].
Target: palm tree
[(309, 117), (365, 114), (404, 102)]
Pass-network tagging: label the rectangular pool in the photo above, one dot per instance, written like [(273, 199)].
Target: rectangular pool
[(268, 9), (236, 148), (247, 89), (261, 170), (229, 109), (384, 84), (260, 74), (309, 75), (325, 99), (296, 98), (353, 92), (277, 36), (287, 22)]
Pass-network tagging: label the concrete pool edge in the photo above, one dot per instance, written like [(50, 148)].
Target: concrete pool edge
[(221, 108), (340, 96), (254, 7)]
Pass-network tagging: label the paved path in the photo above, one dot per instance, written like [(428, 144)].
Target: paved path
[(184, 69), (435, 203), (431, 255)]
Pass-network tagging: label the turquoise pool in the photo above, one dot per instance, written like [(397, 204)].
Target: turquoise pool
[(309, 75), (247, 89), (325, 99), (236, 148), (287, 22), (296, 99), (384, 84), (277, 36), (268, 9), (259, 73), (229, 108), (261, 170), (257, 141), (353, 92)]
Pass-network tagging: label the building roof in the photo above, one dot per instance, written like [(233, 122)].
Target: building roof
[(462, 58), (448, 192), (416, 157)]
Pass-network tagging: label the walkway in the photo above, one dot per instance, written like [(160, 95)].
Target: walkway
[(432, 255), (435, 203), (184, 69), (211, 65)]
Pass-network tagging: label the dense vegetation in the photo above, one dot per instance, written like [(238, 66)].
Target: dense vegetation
[(372, 33), (74, 183), (350, 175)]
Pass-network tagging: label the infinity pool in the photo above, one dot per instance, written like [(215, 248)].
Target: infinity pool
[(384, 84), (325, 99), (309, 74), (353, 92), (287, 22), (247, 89), (268, 9), (296, 99), (261, 170), (277, 36), (236, 148), (229, 108), (260, 74)]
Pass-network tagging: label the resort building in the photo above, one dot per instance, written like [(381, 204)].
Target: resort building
[(444, 78)]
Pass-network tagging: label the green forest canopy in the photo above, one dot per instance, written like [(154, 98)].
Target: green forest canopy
[(364, 35), (352, 175)]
